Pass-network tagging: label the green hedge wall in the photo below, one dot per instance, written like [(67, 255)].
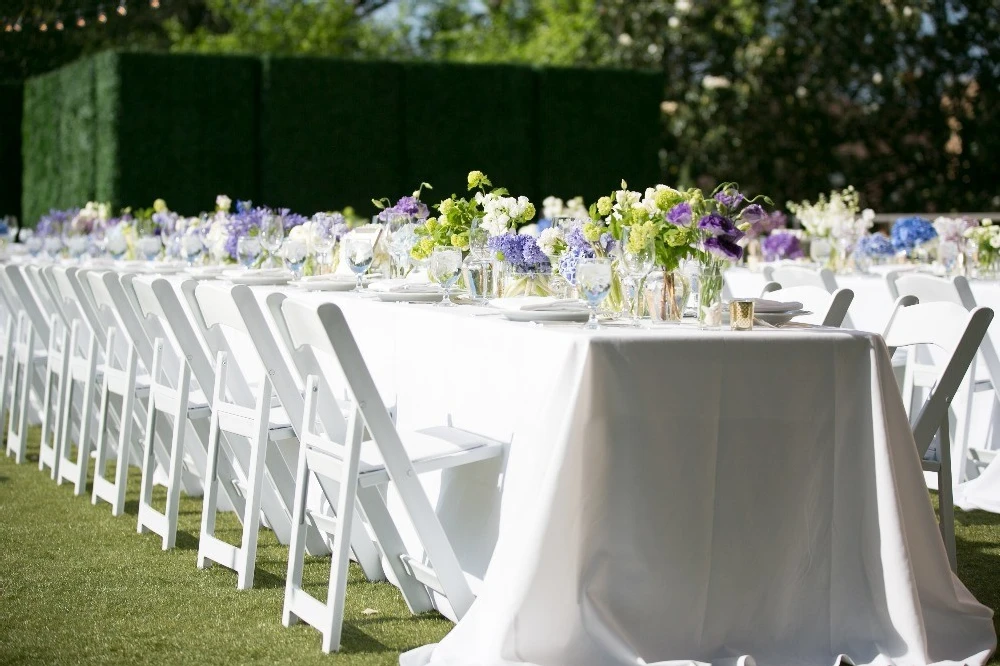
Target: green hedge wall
[(330, 131), (187, 129), (597, 127), (313, 134), (11, 112), (464, 117)]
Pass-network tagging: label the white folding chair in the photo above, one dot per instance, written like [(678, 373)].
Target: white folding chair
[(344, 456), (827, 309), (958, 334), (23, 294), (240, 410), (127, 349), (247, 319), (800, 276), (24, 361), (928, 289)]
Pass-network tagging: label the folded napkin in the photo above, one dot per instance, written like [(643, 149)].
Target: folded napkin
[(764, 306), (329, 277), (403, 286), (539, 304)]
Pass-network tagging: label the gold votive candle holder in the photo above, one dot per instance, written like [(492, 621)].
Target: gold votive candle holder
[(741, 315)]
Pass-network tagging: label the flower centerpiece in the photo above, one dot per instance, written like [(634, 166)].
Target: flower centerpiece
[(910, 235), (834, 223), (985, 241), (781, 246), (48, 234), (401, 220), (86, 221), (319, 235), (529, 267)]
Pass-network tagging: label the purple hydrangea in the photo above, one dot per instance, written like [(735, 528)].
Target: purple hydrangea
[(876, 245), (781, 246), (290, 219), (521, 252), (575, 242), (333, 224), (53, 223), (240, 224), (680, 214)]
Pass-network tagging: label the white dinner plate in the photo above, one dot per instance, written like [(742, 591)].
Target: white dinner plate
[(325, 285), (546, 315), (409, 296), (779, 318), (259, 280)]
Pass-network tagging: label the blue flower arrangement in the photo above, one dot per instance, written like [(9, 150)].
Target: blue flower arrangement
[(911, 232), (876, 245)]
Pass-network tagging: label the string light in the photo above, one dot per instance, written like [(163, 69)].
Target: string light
[(43, 26), (17, 26), (122, 10), (7, 26), (59, 24), (102, 16), (155, 4), (80, 21)]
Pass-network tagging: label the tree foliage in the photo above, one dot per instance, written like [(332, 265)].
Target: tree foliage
[(791, 97)]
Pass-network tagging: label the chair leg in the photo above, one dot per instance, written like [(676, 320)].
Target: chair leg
[(251, 515), (101, 445), (146, 485), (124, 454), (86, 416), (174, 478), (50, 421), (211, 490), (946, 502), (297, 543)]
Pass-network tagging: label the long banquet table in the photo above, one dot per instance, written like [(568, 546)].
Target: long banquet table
[(674, 496)]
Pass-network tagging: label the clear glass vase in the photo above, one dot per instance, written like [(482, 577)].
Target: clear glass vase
[(710, 298), (480, 277), (666, 294), (532, 283)]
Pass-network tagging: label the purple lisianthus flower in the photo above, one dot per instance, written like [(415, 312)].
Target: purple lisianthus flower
[(754, 214), (781, 246), (716, 224), (680, 214), (410, 206), (521, 252), (724, 246), (729, 198)]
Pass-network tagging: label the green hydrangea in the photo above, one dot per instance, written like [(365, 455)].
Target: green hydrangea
[(668, 198), (446, 206), (529, 212), (431, 225), (461, 240), (423, 248), (478, 179), (640, 235), (604, 206), (591, 232)]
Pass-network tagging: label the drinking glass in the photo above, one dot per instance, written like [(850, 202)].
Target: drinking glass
[(98, 238), (272, 232), (77, 246), (948, 255), (248, 249), (53, 246), (478, 236), (191, 245), (34, 244), (446, 266), (638, 262), (401, 239), (323, 242), (295, 252), (359, 252), (593, 280), (149, 247)]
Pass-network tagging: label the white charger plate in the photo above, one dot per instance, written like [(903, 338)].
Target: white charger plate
[(409, 296), (546, 315), (259, 280), (779, 318), (325, 285)]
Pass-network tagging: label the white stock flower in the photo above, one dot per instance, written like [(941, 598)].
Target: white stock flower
[(548, 239), (552, 207), (222, 202)]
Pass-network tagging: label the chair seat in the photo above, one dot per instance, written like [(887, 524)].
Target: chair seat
[(433, 448)]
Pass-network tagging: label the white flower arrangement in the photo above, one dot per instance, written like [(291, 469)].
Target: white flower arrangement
[(552, 242), (835, 217), (502, 214), (952, 228), (218, 235), (553, 207)]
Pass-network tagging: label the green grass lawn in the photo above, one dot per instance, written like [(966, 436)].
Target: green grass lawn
[(78, 586)]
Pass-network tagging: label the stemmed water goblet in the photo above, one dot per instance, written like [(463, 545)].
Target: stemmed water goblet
[(638, 257), (359, 252), (248, 250), (401, 239), (593, 280), (272, 233), (445, 267), (191, 244)]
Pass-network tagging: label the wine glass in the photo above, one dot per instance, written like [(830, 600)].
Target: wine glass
[(295, 252), (272, 233), (97, 241), (593, 280), (446, 266), (638, 259), (359, 252), (401, 240), (248, 249), (478, 237), (325, 238), (53, 246), (948, 255)]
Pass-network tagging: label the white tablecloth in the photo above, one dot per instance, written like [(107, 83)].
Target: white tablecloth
[(869, 312), (672, 496)]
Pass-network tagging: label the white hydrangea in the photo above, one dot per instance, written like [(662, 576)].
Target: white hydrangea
[(576, 208), (308, 233), (500, 213), (548, 239), (552, 207), (218, 234), (222, 203)]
